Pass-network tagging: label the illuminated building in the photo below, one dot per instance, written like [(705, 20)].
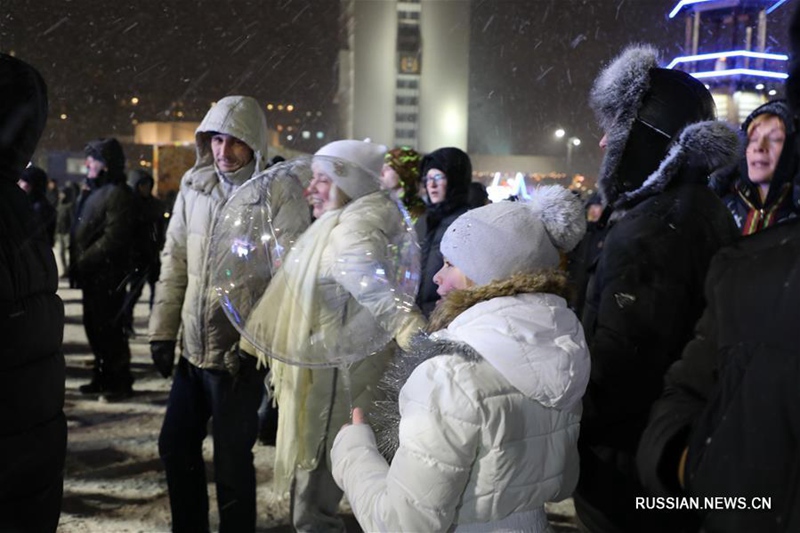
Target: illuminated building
[(403, 72), (727, 48)]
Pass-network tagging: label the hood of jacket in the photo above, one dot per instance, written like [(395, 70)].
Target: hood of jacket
[(109, 151), (524, 329), (23, 113), (456, 165), (241, 117)]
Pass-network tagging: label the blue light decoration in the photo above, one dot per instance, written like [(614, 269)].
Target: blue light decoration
[(731, 53), (740, 72), (775, 6), (683, 3), (728, 72)]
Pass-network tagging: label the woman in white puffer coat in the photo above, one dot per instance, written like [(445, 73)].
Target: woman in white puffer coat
[(490, 403)]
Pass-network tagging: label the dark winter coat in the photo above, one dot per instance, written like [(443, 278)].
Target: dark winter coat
[(102, 233), (736, 388), (643, 302), (64, 213), (581, 261), (150, 231), (430, 228), (33, 430), (663, 144), (743, 199)]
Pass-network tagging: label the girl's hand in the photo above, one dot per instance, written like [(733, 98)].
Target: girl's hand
[(356, 418)]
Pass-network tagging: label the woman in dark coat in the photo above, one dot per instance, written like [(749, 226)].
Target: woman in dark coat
[(761, 194), (728, 421), (33, 430), (447, 173)]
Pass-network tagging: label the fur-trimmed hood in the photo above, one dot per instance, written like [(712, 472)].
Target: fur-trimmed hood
[(521, 326), (658, 124), (449, 308), (526, 333), (709, 148)]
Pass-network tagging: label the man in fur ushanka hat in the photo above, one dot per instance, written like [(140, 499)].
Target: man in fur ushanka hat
[(662, 143)]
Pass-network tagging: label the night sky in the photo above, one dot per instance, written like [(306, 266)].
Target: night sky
[(532, 62)]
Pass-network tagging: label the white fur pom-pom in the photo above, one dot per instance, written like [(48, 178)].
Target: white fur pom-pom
[(562, 213)]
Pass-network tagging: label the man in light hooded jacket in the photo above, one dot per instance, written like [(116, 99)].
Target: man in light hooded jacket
[(212, 379)]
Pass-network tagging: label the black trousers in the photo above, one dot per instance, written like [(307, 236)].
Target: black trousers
[(232, 404), (105, 331)]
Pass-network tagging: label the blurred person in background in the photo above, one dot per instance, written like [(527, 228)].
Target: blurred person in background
[(400, 174), (64, 215), (478, 195), (33, 181), (101, 242), (447, 173), (148, 240)]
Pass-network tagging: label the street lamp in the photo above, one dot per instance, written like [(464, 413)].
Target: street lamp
[(572, 143)]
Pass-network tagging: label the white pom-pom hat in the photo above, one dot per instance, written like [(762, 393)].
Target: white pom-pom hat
[(499, 240), (354, 166)]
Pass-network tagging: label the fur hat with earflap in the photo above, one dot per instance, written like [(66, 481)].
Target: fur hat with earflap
[(354, 166), (645, 111), (499, 240)]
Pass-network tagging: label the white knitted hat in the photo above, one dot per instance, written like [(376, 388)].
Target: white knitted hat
[(498, 240), (354, 166)]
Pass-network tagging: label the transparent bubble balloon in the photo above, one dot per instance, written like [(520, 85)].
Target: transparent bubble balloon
[(320, 292)]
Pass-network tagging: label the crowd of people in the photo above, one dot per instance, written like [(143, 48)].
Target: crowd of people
[(631, 350)]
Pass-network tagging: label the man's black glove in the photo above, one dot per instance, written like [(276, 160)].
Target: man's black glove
[(163, 353)]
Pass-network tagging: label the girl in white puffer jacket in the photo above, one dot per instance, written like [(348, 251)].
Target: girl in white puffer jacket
[(490, 403)]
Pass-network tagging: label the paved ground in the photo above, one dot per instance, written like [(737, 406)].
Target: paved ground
[(114, 479)]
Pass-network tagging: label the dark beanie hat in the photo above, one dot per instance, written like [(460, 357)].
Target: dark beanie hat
[(456, 166), (36, 178)]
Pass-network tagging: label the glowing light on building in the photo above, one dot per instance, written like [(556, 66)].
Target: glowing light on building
[(725, 55), (684, 3), (740, 72)]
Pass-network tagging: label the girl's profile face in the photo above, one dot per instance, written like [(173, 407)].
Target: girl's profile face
[(450, 278)]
